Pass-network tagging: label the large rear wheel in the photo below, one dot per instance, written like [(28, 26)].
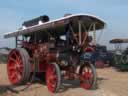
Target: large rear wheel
[(87, 76), (53, 77), (18, 66)]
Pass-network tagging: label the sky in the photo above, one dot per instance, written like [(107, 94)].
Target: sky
[(113, 12)]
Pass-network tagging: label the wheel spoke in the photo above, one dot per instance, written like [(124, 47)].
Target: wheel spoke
[(18, 75), (13, 75), (53, 71), (20, 66), (17, 55), (12, 59), (14, 53), (19, 59), (20, 70), (11, 68)]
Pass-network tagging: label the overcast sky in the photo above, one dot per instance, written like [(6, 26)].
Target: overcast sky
[(113, 12)]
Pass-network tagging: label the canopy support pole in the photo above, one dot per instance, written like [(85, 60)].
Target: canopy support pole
[(86, 34), (73, 33), (16, 41), (94, 34), (79, 23)]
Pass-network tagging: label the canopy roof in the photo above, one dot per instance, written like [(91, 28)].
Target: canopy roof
[(59, 25), (117, 40)]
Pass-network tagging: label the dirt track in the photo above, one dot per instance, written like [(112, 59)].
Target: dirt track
[(110, 83)]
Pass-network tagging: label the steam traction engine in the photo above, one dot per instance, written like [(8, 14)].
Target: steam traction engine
[(57, 49)]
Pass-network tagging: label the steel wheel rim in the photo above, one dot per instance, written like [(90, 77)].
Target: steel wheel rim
[(86, 77), (51, 78), (15, 67)]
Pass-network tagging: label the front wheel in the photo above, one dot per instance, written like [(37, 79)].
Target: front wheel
[(53, 77), (88, 76)]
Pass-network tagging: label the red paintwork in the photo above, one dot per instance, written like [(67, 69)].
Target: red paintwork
[(88, 49), (51, 78), (14, 67), (86, 77)]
